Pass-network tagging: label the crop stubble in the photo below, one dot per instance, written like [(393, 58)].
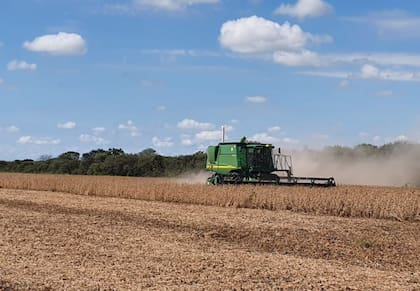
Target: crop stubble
[(75, 242), (92, 241)]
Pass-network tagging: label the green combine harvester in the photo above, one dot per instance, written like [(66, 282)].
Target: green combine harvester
[(253, 162)]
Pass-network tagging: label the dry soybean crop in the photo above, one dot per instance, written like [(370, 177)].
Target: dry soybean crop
[(347, 201), (84, 232)]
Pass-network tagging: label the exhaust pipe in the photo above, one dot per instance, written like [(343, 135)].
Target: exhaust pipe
[(223, 133)]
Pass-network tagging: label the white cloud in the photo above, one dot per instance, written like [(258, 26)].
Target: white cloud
[(376, 138), (228, 128), (161, 108), (170, 52), (192, 124), (183, 53), (206, 136), (288, 43), (371, 72), (391, 75), (24, 139), (98, 130), (130, 127), (165, 5), (92, 138), (186, 142), (171, 5), (209, 135), (384, 59), (1, 81), (305, 8), (165, 143), (58, 44), (332, 74), (258, 35), (294, 59), (344, 84), (21, 65), (30, 140), (67, 125), (274, 129), (264, 137), (256, 99), (12, 129)]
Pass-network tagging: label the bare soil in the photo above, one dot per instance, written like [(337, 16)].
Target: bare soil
[(52, 240)]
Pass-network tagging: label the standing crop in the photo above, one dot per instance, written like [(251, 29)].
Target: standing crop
[(347, 201)]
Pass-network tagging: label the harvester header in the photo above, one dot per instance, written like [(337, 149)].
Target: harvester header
[(254, 162)]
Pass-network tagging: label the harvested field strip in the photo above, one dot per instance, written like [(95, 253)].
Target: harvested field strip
[(62, 241), (318, 243), (346, 201)]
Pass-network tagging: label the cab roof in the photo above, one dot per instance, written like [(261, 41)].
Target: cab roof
[(247, 144)]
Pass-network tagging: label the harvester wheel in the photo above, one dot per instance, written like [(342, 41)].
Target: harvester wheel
[(215, 180), (218, 180), (236, 177)]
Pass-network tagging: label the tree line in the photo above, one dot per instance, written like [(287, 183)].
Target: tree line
[(366, 150), (149, 163), (113, 162)]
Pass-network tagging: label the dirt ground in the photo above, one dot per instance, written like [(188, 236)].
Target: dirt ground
[(51, 240)]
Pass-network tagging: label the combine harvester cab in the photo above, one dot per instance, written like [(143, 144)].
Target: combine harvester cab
[(253, 162)]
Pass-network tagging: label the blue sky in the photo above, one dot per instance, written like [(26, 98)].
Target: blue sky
[(86, 74)]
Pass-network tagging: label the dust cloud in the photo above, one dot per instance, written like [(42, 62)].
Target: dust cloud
[(194, 178), (399, 168)]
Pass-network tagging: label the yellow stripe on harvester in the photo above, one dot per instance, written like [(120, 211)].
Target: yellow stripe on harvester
[(222, 167)]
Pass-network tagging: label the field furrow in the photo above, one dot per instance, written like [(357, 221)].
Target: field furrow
[(63, 241)]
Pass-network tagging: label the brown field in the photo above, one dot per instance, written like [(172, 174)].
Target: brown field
[(346, 201), (51, 239)]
